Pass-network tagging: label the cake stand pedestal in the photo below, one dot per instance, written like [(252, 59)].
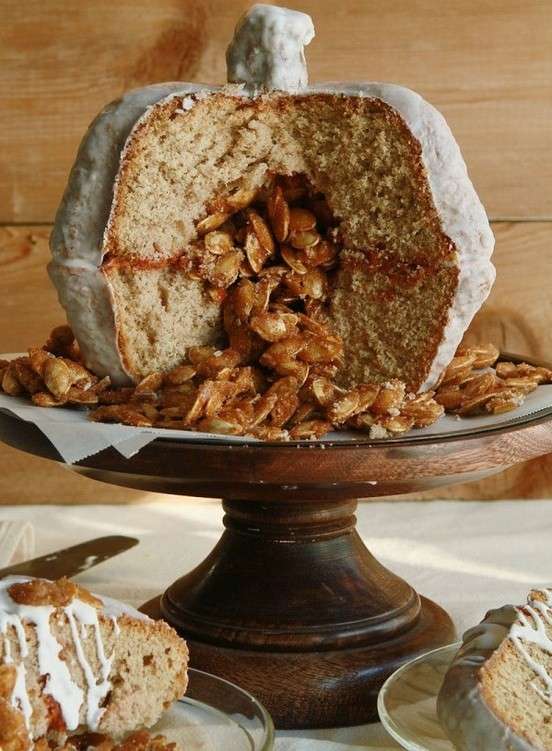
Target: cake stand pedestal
[(290, 604)]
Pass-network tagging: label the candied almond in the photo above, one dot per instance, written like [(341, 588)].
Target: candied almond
[(293, 259), (212, 365), (322, 254), (305, 411), (226, 269), (278, 213), (257, 256), (304, 240), (42, 592), (282, 351), (310, 430), (450, 398), (485, 354), (261, 230), (31, 382), (509, 370), (120, 413), (476, 404), (212, 222), (263, 407), (218, 242), (269, 433), (325, 392), (10, 382), (479, 384), (201, 398), (179, 375), (313, 284), (151, 382), (38, 359), (523, 385), (299, 370), (343, 407), (263, 289), (220, 393), (245, 269), (318, 349), (57, 377), (46, 399), (81, 397), (287, 402), (396, 424), (501, 403), (423, 409), (243, 299), (301, 220), (197, 355), (390, 398), (216, 294), (458, 368), (241, 198), (218, 425), (362, 421)]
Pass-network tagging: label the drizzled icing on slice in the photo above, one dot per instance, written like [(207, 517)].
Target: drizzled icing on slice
[(59, 683), (530, 628)]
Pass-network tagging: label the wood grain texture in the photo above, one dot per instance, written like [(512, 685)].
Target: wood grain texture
[(487, 66), (517, 316)]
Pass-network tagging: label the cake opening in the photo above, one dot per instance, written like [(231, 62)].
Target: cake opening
[(269, 256)]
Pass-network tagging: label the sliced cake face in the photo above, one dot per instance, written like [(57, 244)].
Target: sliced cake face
[(498, 692), (82, 664)]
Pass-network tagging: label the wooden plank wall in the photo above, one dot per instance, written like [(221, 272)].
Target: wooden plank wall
[(486, 64)]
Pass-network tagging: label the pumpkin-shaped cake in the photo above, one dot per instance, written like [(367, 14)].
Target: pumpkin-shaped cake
[(348, 201)]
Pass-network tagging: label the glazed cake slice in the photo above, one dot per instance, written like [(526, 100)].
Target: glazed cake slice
[(497, 695), (83, 663), (415, 242)]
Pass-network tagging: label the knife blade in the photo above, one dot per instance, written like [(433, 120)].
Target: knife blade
[(73, 560)]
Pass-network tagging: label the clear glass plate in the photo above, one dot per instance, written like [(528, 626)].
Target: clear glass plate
[(216, 714), (407, 701)]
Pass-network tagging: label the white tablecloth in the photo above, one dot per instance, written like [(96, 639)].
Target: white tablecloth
[(468, 556)]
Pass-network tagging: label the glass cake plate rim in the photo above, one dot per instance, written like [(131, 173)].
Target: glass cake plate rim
[(401, 730), (227, 693)]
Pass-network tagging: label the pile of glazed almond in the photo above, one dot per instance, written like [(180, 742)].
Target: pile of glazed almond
[(268, 259)]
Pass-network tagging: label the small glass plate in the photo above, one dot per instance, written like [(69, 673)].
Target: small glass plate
[(216, 714), (408, 698)]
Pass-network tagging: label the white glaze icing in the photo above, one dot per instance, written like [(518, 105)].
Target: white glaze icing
[(83, 216), (464, 714), (267, 51), (461, 213), (530, 628), (82, 618)]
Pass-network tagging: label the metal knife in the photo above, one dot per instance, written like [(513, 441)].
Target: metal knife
[(73, 560)]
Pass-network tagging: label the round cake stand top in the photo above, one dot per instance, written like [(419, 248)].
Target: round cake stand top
[(307, 470)]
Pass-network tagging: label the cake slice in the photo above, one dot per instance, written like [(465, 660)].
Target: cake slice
[(497, 695), (168, 164), (72, 662)]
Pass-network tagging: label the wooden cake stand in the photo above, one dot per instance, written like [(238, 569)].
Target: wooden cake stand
[(290, 604)]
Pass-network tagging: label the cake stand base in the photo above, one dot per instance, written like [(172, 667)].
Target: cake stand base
[(294, 607)]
